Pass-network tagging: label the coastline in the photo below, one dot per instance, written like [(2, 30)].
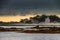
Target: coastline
[(49, 30)]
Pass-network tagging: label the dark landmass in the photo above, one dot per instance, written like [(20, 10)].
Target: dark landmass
[(37, 19), (43, 30), (10, 29), (32, 30)]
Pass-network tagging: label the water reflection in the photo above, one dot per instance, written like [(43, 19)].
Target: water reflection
[(16, 26), (26, 36)]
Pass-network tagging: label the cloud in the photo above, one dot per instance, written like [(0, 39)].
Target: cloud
[(13, 7)]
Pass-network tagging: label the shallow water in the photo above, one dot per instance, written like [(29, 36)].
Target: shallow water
[(27, 36), (16, 26), (25, 26)]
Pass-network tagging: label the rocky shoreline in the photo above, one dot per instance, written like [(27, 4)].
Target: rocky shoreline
[(36, 29)]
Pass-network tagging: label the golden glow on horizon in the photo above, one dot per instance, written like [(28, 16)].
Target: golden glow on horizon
[(16, 18), (58, 16)]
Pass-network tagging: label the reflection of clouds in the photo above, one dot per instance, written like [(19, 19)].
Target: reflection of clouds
[(29, 38), (24, 36), (15, 38)]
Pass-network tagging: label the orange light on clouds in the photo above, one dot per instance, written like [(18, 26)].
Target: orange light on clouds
[(14, 18), (58, 16)]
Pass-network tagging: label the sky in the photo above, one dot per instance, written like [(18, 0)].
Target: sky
[(25, 8)]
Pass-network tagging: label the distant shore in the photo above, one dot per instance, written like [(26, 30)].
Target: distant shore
[(40, 24), (32, 30)]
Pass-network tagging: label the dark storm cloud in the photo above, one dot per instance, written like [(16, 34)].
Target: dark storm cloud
[(2, 3), (10, 7)]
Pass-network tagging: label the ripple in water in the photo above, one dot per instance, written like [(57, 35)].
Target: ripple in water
[(25, 36)]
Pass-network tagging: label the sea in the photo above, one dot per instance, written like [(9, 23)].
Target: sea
[(27, 36)]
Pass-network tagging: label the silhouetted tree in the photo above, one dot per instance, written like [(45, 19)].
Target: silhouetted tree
[(38, 19)]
